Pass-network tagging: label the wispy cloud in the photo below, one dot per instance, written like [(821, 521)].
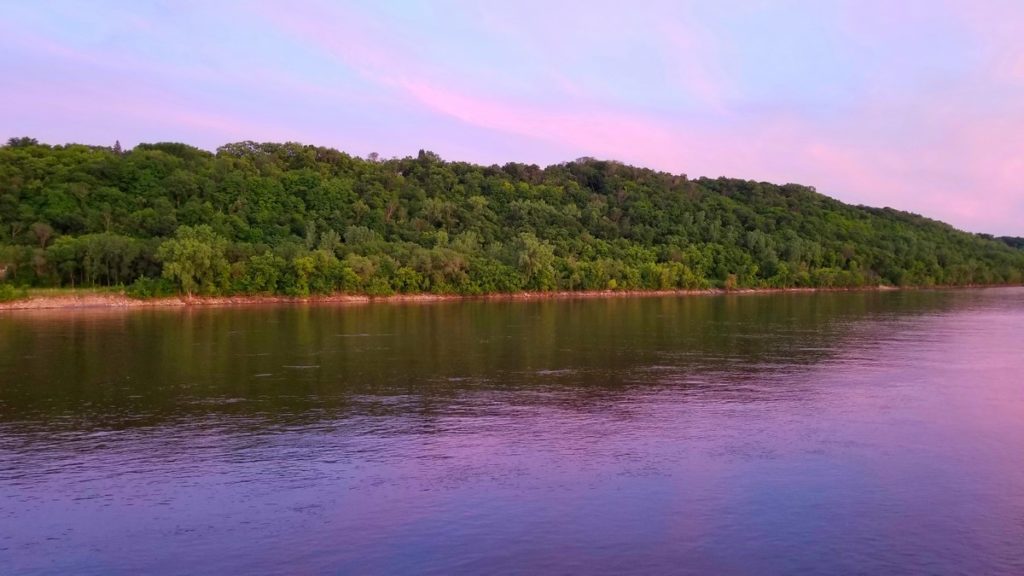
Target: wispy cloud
[(917, 105)]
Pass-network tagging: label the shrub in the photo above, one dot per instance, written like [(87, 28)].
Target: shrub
[(146, 287), (9, 293)]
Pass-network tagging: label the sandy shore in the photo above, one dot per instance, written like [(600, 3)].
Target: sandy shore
[(91, 300)]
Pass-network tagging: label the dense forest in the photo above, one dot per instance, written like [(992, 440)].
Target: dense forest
[(293, 219), (1013, 241)]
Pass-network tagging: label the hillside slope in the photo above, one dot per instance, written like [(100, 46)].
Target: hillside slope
[(293, 219)]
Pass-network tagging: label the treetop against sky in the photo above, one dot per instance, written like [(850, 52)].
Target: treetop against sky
[(915, 104)]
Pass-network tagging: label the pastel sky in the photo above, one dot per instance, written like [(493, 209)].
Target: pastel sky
[(915, 104)]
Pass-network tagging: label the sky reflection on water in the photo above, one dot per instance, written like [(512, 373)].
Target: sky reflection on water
[(828, 433)]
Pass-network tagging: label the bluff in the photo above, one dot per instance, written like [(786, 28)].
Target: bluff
[(295, 219)]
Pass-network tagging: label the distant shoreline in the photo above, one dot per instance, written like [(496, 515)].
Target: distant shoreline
[(73, 301)]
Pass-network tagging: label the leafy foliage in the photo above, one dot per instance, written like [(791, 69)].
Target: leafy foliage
[(294, 219), (195, 258), (9, 293), (1013, 241)]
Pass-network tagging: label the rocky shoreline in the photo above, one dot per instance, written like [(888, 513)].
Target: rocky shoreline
[(93, 300)]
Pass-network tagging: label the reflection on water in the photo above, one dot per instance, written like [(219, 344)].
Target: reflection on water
[(861, 432)]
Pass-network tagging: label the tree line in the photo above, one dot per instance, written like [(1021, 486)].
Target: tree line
[(1012, 241), (267, 218)]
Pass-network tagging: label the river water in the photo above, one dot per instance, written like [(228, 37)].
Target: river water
[(876, 432)]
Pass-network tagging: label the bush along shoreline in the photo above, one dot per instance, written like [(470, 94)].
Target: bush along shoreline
[(92, 299), (290, 222)]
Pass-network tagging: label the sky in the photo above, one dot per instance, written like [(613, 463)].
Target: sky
[(915, 104)]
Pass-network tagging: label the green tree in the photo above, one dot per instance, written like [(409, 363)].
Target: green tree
[(277, 218), (536, 260), (195, 259)]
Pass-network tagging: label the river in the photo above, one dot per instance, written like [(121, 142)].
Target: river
[(829, 433)]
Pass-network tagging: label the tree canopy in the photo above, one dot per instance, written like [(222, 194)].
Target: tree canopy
[(1013, 241), (297, 219)]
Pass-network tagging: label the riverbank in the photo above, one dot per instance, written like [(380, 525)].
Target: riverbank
[(91, 299)]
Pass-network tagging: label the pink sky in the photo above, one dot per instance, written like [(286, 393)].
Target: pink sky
[(916, 105)]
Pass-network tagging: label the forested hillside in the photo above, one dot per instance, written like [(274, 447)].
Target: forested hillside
[(1014, 241), (293, 219)]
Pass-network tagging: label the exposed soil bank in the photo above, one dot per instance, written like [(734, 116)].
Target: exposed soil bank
[(92, 300)]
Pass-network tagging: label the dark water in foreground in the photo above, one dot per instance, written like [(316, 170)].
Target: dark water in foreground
[(832, 433)]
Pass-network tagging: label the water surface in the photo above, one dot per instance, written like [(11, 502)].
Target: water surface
[(812, 433)]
